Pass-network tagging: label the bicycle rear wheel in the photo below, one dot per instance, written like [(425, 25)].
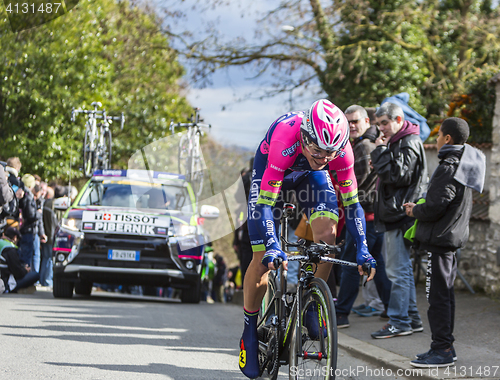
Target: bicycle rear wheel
[(315, 357), (89, 157), (106, 154), (184, 157)]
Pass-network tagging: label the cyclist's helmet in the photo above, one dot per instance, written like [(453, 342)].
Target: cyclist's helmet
[(325, 125)]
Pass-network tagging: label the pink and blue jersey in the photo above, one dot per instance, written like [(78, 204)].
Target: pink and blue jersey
[(280, 165)]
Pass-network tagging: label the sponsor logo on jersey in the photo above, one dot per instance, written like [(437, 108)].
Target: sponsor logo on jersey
[(264, 147), (275, 183), (270, 241), (346, 168), (276, 168), (254, 194), (359, 226), (345, 183), (291, 150), (269, 228), (321, 207)]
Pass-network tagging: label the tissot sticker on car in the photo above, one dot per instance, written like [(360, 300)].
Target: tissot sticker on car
[(125, 223)]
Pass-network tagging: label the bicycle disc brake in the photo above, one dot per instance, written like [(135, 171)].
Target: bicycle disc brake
[(272, 353)]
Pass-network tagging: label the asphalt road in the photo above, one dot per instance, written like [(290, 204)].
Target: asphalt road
[(112, 336)]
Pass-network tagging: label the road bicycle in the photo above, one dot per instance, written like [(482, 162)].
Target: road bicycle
[(97, 142), (284, 338), (190, 160)]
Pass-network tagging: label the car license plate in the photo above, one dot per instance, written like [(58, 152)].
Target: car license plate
[(121, 254)]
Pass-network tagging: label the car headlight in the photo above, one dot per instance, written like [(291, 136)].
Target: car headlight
[(72, 224), (184, 230)]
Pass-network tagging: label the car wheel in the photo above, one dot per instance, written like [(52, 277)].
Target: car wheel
[(83, 288), (62, 289), (193, 294)]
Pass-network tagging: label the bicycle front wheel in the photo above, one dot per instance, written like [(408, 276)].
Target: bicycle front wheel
[(106, 160), (313, 349)]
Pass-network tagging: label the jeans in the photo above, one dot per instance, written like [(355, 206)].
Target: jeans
[(28, 280), (26, 248), (36, 254), (46, 265), (349, 279), (403, 302)]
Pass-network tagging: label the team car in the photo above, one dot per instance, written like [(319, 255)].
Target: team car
[(131, 227)]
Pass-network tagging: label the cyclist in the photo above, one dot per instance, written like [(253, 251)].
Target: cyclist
[(296, 154)]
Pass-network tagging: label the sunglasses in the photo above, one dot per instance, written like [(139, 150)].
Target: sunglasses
[(317, 152), (353, 121)]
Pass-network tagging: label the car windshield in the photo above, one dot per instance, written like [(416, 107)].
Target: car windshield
[(136, 194)]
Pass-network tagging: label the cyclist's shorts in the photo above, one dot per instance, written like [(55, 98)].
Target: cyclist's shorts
[(313, 189)]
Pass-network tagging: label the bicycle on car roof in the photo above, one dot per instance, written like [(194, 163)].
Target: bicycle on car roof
[(97, 142), (190, 159)]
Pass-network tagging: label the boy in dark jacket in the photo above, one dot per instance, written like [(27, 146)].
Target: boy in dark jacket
[(442, 228)]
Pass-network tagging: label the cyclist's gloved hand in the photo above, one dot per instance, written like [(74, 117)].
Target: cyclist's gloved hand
[(366, 257), (268, 259)]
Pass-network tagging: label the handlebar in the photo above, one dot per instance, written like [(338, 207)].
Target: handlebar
[(316, 252), (98, 114)]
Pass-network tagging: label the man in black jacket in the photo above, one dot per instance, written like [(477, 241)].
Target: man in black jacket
[(17, 276), (399, 161), (442, 227)]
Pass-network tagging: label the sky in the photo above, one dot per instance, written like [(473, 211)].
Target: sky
[(241, 123)]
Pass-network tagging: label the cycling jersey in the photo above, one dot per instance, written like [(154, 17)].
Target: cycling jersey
[(280, 165)]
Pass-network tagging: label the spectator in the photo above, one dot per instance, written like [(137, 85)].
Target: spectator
[(39, 201), (50, 223), (31, 218), (219, 278), (363, 136), (410, 114), (17, 276), (6, 193), (442, 228), (399, 161)]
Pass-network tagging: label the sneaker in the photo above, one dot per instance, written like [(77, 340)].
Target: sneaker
[(436, 358), (311, 323), (431, 351), (342, 321), (359, 307), (367, 312), (384, 315), (28, 290), (390, 331), (417, 326)]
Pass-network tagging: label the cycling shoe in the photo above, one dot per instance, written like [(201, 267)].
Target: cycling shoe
[(311, 322), (249, 347)]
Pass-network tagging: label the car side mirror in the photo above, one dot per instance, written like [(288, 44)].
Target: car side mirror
[(209, 212), (62, 203)]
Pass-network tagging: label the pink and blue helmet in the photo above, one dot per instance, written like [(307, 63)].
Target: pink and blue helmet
[(325, 125)]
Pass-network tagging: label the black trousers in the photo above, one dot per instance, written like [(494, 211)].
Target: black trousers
[(441, 273)]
